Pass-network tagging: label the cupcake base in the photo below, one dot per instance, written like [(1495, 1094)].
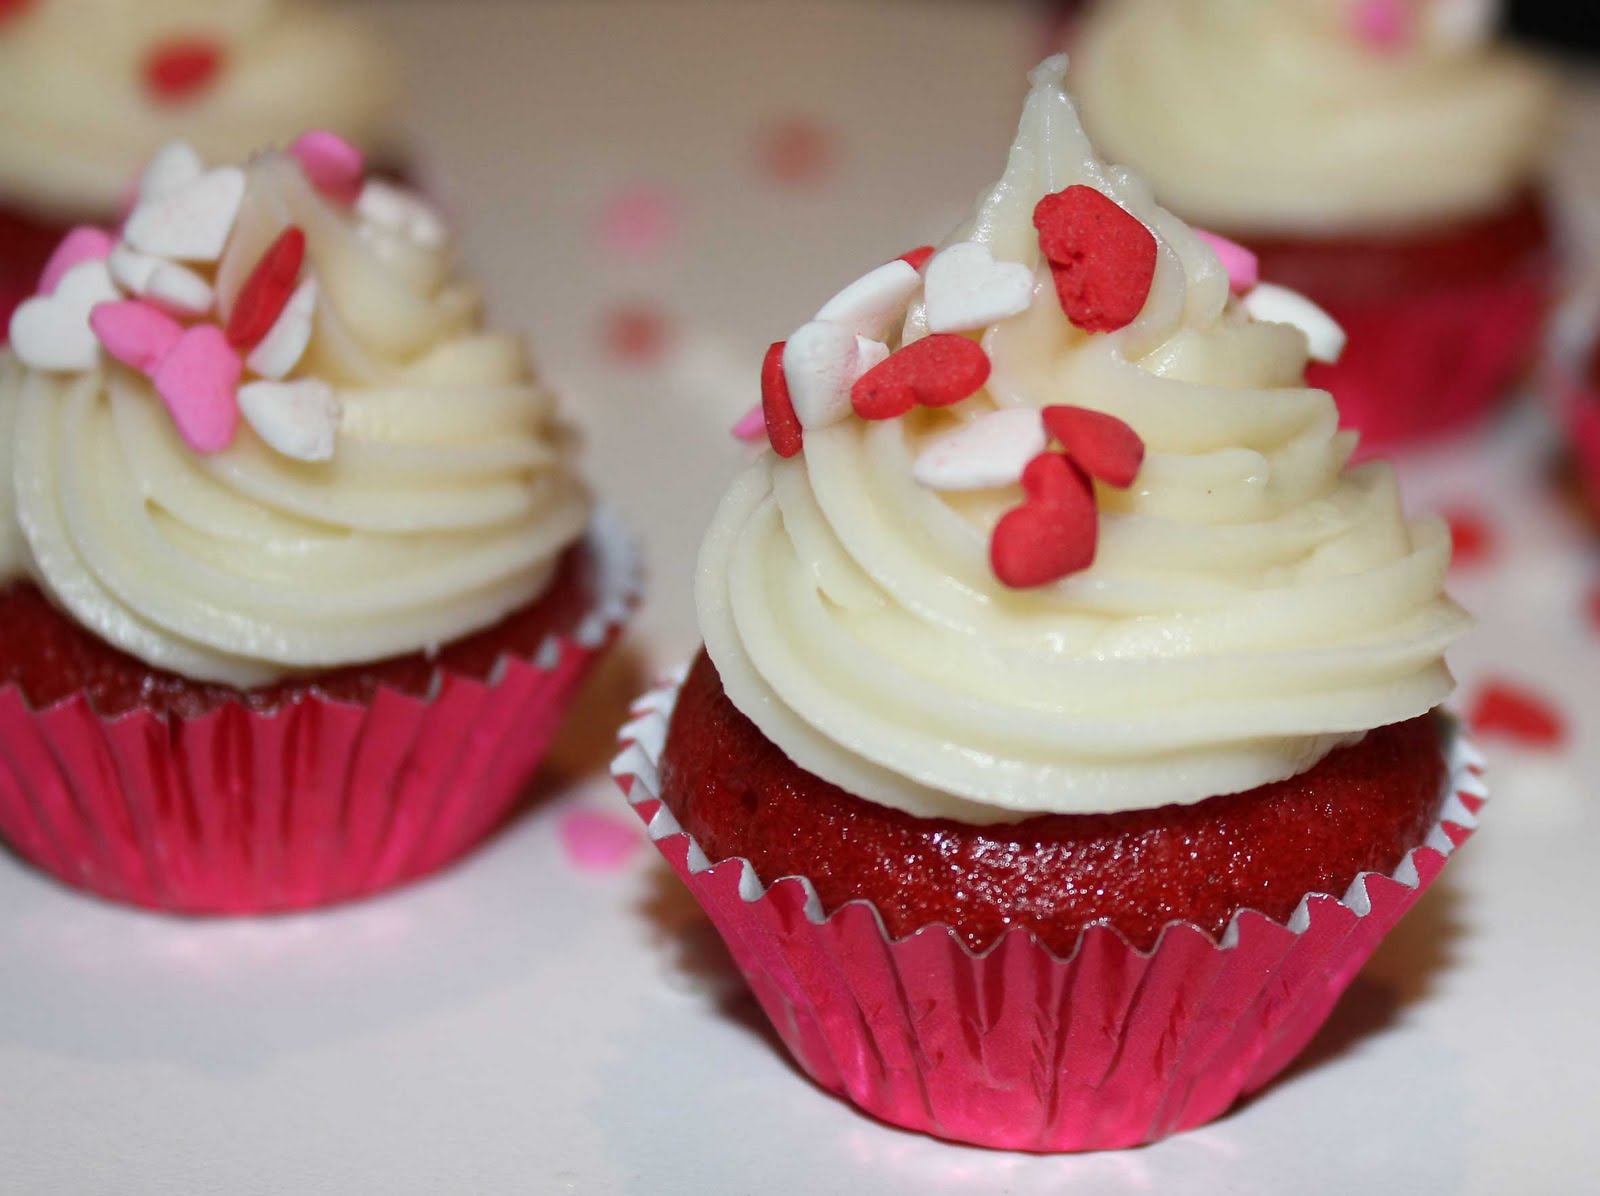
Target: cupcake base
[(197, 799), (1019, 1047)]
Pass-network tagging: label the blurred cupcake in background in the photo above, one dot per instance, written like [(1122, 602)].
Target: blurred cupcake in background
[(90, 89), (297, 570), (1382, 156)]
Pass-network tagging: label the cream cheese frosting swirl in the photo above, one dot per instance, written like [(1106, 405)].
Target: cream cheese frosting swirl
[(447, 503), (76, 120), (1264, 116), (1253, 603)]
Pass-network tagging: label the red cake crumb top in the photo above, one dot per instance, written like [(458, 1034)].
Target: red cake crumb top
[(49, 656), (1361, 809)]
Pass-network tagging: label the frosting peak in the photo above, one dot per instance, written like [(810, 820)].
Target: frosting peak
[(391, 479), (1264, 116), (1251, 602)]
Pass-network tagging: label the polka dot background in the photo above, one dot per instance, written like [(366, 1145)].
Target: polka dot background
[(654, 192)]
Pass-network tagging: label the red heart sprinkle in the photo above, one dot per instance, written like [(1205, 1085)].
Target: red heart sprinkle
[(783, 426), (1102, 444), (1471, 537), (935, 371), (1102, 257), (176, 70), (1518, 715), (918, 257), (261, 299), (1053, 533), (10, 9)]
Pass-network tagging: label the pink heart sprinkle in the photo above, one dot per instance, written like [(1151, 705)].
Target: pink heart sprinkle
[(135, 333), (639, 222), (597, 842), (1384, 25), (85, 243), (752, 425), (198, 379), (1243, 267), (334, 166)]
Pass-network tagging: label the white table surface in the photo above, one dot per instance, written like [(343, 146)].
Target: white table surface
[(522, 1025)]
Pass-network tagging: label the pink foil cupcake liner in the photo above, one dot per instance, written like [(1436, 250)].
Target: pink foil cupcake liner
[(1419, 366), (1017, 1048), (320, 801)]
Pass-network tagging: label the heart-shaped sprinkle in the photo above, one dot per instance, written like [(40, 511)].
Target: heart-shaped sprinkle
[(172, 287), (51, 332), (777, 410), (191, 222), (331, 164), (990, 451), (935, 371), (400, 212), (1102, 257), (198, 380), (820, 362), (1273, 304), (285, 343), (12, 9), (266, 290), (135, 333), (1516, 714), (83, 244), (298, 419), (180, 69), (1102, 445), (1381, 25), (967, 289), (918, 257), (599, 842), (1472, 537), (1053, 533), (174, 165), (1242, 266), (752, 425), (871, 305)]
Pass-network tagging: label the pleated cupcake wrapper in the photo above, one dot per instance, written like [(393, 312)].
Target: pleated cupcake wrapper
[(1422, 365), (1018, 1048), (320, 801)]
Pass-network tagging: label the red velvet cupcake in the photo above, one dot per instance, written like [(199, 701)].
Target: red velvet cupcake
[(1381, 156), (85, 102), (296, 574), (1066, 734)]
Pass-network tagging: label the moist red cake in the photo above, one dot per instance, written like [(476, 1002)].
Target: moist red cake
[(1441, 322), (48, 656), (1361, 809)]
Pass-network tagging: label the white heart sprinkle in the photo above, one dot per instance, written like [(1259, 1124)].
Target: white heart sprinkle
[(990, 451), (967, 289), (176, 164), (191, 222), (174, 288), (1273, 304), (869, 353), (51, 332), (399, 211), (285, 343), (299, 419), (821, 362), (872, 303)]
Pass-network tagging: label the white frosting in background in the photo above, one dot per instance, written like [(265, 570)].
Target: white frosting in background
[(1271, 116), (76, 122), (447, 504), (1253, 605)]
